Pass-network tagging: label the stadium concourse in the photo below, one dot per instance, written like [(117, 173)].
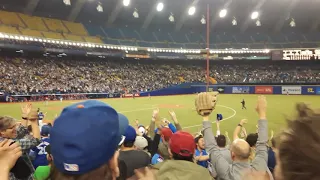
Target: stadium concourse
[(83, 51)]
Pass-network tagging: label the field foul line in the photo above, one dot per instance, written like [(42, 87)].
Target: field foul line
[(234, 113)]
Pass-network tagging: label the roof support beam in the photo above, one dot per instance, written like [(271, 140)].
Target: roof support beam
[(245, 25), (184, 15), (115, 12), (151, 15), (31, 6), (76, 10), (282, 19)]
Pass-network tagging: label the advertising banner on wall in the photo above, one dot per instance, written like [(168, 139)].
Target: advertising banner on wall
[(221, 90), (318, 90), (310, 90), (263, 90), (291, 89), (240, 90)]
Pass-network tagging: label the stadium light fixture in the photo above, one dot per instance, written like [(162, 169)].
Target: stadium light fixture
[(234, 21), (135, 13), (171, 17), (203, 20), (126, 2), (223, 13), (99, 7), (292, 23), (192, 10), (67, 2), (254, 15), (258, 23), (160, 6)]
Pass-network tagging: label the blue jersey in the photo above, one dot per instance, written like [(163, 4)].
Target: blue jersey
[(40, 153), (204, 153), (40, 116), (156, 159)]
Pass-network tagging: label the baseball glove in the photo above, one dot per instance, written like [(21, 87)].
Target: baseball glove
[(205, 103)]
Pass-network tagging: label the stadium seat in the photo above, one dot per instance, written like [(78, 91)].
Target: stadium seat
[(113, 33), (73, 37), (55, 25), (127, 42), (277, 38), (95, 30), (112, 41), (295, 37), (256, 46), (11, 18), (9, 29), (195, 37), (192, 46), (144, 44), (161, 45), (313, 37), (243, 38), (260, 37), (309, 45), (30, 32), (174, 45), (226, 38), (163, 36), (130, 33), (75, 28), (214, 39), (179, 37), (52, 35), (148, 36), (33, 22), (93, 39)]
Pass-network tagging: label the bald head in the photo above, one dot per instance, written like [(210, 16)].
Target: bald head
[(241, 149)]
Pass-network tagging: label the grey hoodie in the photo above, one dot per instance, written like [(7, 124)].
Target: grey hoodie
[(236, 170)]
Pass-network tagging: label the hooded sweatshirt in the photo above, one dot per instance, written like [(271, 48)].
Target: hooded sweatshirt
[(181, 170)]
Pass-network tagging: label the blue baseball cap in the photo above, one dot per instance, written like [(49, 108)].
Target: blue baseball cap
[(45, 130), (130, 134), (86, 136)]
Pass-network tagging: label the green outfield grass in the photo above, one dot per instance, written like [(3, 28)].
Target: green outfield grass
[(279, 107)]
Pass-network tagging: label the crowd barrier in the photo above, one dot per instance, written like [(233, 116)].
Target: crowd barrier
[(190, 88)]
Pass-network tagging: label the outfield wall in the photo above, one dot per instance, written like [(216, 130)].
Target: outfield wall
[(237, 89)]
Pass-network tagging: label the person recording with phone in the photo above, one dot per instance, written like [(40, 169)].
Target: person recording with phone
[(10, 129)]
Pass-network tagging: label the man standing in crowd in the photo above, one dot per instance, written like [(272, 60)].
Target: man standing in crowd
[(133, 159), (240, 149)]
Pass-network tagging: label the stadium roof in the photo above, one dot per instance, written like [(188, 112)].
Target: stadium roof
[(274, 15)]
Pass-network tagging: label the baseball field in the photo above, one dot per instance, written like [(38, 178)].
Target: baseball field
[(280, 108)]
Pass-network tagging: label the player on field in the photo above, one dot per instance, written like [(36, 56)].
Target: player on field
[(243, 104)]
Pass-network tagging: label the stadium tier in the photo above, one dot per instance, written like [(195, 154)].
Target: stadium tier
[(21, 24)]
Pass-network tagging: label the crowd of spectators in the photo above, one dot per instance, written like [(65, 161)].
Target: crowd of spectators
[(51, 75), (112, 149)]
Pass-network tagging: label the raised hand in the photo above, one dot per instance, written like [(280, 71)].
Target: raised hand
[(243, 122), (25, 110), (9, 154), (155, 114), (173, 116), (261, 107), (33, 115)]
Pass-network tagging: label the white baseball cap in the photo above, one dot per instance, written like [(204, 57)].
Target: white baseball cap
[(141, 143)]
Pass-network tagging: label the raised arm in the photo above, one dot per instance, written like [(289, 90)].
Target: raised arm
[(237, 130), (260, 161), (175, 120), (155, 116)]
